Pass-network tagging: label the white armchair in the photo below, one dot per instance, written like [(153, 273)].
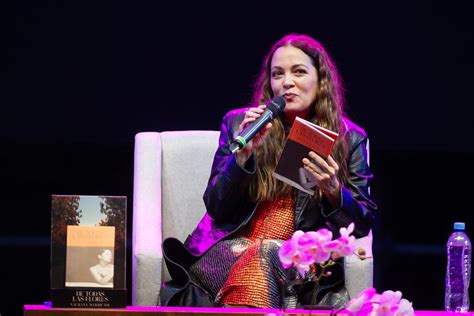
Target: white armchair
[(171, 170)]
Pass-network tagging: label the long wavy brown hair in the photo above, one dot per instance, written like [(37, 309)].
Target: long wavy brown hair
[(327, 111)]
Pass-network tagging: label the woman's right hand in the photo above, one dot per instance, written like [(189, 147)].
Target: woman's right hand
[(251, 115)]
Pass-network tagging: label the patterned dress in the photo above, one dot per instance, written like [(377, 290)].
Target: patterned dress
[(245, 269)]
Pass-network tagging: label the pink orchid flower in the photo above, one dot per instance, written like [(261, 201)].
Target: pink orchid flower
[(361, 305), (405, 308), (305, 249), (314, 243), (344, 245), (291, 254), (388, 303)]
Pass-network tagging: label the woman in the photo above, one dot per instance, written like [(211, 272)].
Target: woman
[(234, 250), (103, 272)]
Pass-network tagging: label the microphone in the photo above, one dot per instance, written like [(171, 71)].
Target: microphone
[(274, 108)]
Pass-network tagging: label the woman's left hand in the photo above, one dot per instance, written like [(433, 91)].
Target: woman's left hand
[(325, 173)]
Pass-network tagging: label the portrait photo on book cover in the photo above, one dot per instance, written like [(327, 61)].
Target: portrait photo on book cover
[(89, 267)]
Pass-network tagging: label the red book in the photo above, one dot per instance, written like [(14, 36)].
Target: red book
[(304, 137)]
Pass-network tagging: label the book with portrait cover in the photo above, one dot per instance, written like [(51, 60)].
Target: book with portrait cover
[(88, 251), (304, 137)]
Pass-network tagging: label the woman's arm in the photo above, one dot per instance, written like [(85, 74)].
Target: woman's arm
[(356, 204), (99, 278), (108, 277), (226, 195)]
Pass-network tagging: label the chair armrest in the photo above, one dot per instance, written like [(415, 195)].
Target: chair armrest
[(359, 273), (147, 222)]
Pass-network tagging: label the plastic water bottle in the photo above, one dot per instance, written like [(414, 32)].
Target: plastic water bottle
[(458, 273)]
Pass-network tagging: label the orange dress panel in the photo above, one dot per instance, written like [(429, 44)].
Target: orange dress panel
[(247, 284)]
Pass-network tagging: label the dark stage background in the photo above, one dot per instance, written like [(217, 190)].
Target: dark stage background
[(79, 79)]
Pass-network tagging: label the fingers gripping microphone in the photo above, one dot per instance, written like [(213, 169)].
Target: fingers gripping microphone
[(274, 108)]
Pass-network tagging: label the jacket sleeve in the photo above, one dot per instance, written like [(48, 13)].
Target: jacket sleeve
[(226, 195), (356, 203)]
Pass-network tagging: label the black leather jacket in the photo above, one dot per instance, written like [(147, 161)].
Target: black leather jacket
[(229, 208)]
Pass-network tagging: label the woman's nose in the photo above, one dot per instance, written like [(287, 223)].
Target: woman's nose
[(288, 82)]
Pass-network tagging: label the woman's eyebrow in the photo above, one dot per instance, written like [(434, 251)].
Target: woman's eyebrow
[(299, 65), (292, 66)]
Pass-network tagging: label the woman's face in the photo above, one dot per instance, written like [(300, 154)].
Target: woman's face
[(106, 256), (294, 76)]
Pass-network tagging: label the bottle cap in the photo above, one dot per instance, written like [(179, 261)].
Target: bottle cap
[(459, 226)]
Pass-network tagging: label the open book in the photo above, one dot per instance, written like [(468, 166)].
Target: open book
[(304, 137)]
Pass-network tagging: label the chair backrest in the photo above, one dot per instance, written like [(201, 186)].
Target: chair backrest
[(186, 164)]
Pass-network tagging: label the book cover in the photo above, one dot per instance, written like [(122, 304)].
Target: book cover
[(304, 137), (88, 251)]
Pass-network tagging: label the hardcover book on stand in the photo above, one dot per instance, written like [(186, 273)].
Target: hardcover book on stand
[(88, 251), (304, 137)]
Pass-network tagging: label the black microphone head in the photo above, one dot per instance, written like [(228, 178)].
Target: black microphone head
[(276, 105)]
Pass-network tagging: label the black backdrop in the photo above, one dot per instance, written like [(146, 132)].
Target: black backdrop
[(80, 79)]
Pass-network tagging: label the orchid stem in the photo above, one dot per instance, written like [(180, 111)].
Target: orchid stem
[(316, 286)]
